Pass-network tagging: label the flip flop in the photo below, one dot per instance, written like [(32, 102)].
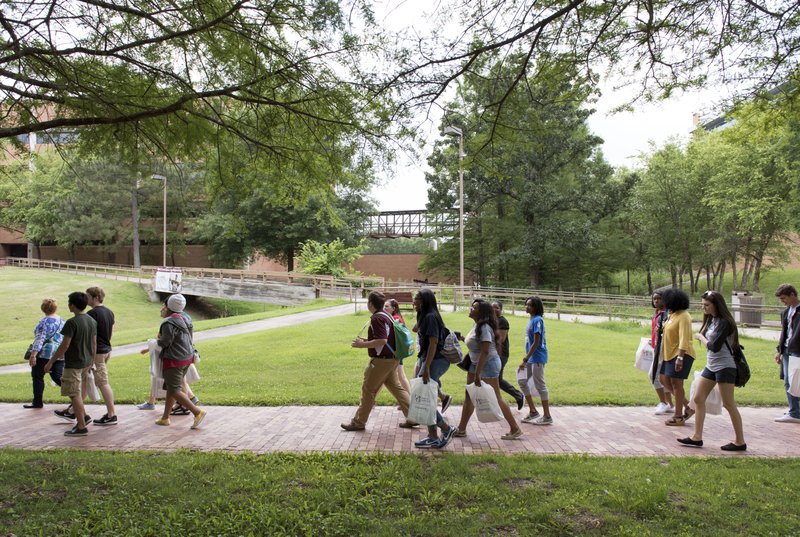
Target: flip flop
[(675, 422)]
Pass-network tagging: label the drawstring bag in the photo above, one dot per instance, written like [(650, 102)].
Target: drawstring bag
[(485, 400), (422, 401), (714, 400), (644, 356)]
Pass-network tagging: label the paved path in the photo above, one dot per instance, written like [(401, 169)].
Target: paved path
[(613, 431), (225, 331)]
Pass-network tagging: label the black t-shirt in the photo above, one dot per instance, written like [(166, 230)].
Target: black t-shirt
[(502, 324), (430, 325), (105, 325)]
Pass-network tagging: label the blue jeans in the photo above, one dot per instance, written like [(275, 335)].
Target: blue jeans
[(794, 402), (439, 367), (37, 372)]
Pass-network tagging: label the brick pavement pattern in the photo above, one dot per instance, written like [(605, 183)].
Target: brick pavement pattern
[(607, 431)]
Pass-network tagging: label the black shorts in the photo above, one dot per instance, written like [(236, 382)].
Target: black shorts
[(668, 368), (726, 375)]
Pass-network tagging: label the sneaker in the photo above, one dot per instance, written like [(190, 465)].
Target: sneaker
[(105, 420), (544, 420), (146, 406), (426, 442), (512, 436), (87, 419), (446, 437), (65, 414), (198, 419), (787, 418), (75, 431), (162, 421), (180, 410), (664, 408), (520, 402), (446, 403), (531, 417), (353, 426)]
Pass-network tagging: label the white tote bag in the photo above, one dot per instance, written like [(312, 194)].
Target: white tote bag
[(524, 381), (422, 405), (644, 356), (794, 376), (714, 400), (91, 386), (485, 400), (156, 369)]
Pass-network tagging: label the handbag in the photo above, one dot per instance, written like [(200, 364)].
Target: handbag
[(644, 356), (742, 367), (28, 353)]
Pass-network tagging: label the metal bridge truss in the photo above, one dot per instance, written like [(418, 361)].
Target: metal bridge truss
[(394, 224)]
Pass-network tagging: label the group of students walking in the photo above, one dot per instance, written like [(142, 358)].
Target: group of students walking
[(75, 353), (488, 352)]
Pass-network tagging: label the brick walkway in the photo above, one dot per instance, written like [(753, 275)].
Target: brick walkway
[(622, 431)]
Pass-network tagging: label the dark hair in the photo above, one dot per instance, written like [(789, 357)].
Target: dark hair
[(428, 306), (377, 299), (78, 299), (536, 302), (394, 307), (785, 289), (675, 299), (486, 315), (498, 304), (722, 311), (653, 298)]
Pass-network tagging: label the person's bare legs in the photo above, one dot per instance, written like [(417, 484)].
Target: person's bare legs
[(702, 389), (504, 408), (468, 408), (726, 390)]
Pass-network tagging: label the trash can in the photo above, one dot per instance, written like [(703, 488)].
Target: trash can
[(747, 307)]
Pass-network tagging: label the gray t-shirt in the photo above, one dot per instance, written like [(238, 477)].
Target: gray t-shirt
[(722, 358), (474, 343)]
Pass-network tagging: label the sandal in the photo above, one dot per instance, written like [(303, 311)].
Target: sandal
[(688, 414), (408, 425), (676, 421), (179, 410), (460, 433)]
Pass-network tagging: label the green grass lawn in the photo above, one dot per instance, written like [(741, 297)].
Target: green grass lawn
[(189, 493), (313, 364), (136, 317)]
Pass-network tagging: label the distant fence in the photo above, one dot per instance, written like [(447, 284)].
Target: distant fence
[(595, 304)]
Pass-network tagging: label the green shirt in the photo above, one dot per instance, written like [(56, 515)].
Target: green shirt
[(82, 329)]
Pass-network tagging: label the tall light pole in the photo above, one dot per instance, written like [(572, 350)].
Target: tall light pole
[(163, 178), (460, 134)]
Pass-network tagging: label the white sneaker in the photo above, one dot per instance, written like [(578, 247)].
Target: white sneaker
[(786, 418), (664, 408), (530, 418)]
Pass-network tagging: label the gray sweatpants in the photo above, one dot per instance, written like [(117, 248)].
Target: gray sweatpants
[(537, 372)]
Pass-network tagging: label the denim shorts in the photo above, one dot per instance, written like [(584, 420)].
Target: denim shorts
[(726, 375), (491, 369), (668, 368)]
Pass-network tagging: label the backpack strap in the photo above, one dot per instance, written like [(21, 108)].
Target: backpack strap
[(391, 324)]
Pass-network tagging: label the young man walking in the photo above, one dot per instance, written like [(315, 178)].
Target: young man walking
[(104, 318), (789, 346), (78, 349), (382, 368)]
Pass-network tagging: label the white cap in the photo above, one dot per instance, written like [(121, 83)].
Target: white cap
[(176, 303)]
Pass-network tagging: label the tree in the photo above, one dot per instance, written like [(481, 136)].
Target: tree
[(236, 230), (319, 258), (535, 187)]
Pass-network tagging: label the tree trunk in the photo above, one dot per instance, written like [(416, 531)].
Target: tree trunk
[(720, 286), (673, 271), (289, 259), (535, 275), (649, 280), (709, 282), (502, 245), (137, 261), (734, 284)]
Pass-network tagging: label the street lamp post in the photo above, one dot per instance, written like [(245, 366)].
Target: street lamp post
[(460, 134), (163, 178)]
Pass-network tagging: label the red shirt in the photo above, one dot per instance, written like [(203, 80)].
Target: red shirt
[(655, 328), (381, 328)]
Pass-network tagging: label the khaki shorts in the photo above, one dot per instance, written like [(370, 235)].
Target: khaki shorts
[(101, 369), (173, 378), (71, 381)]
